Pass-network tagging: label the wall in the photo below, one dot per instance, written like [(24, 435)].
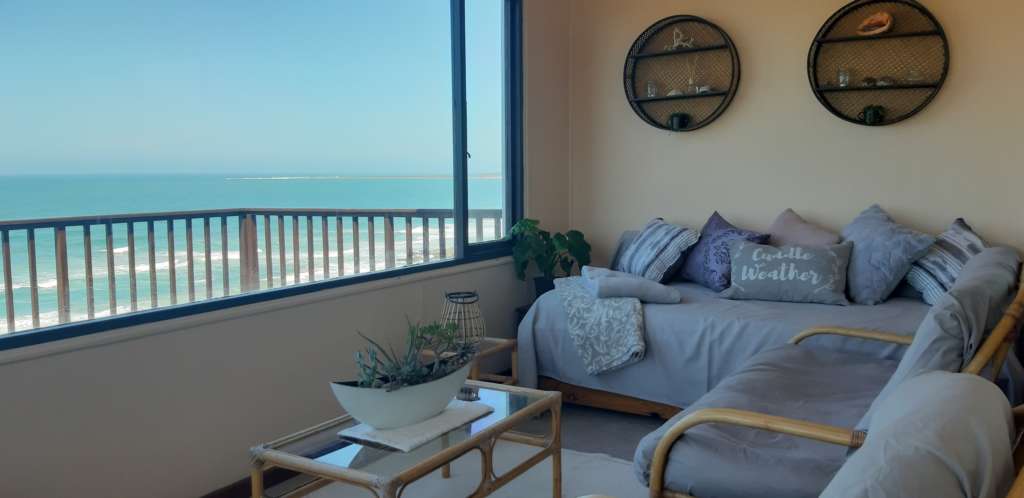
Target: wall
[(171, 409), (546, 113), (777, 147)]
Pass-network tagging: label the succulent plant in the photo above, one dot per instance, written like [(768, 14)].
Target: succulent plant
[(433, 351)]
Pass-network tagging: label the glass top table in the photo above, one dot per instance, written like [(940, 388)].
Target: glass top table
[(323, 457)]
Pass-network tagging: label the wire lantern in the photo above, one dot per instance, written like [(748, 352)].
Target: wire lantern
[(461, 309)]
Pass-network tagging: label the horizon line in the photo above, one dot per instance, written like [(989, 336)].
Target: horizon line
[(236, 177)]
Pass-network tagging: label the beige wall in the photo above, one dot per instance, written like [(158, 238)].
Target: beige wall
[(777, 147), (546, 111), (172, 414)]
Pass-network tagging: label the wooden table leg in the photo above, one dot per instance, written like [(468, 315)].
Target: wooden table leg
[(446, 471), (515, 364), (556, 448)]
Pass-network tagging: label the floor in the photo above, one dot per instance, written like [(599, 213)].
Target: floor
[(592, 430), (588, 430)]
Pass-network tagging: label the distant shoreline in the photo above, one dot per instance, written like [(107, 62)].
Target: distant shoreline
[(488, 176), (356, 177)]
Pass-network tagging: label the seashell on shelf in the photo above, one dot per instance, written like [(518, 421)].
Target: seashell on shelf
[(876, 24)]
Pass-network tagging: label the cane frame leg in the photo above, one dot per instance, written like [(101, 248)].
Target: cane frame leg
[(256, 480), (446, 471)]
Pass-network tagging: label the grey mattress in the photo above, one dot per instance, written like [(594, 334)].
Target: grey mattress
[(694, 345), (728, 461)]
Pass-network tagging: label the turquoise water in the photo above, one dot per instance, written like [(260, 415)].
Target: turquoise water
[(30, 197)]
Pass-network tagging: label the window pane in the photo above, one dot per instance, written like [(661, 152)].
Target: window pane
[(341, 109), (485, 118)]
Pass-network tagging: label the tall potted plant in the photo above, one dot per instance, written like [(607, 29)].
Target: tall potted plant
[(554, 255)]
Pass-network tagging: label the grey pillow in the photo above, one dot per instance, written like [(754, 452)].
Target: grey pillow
[(882, 254), (799, 274), (935, 273), (658, 251), (604, 283), (943, 435), (790, 229), (708, 263)]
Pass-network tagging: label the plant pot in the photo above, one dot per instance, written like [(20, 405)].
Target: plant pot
[(382, 409), (543, 284)]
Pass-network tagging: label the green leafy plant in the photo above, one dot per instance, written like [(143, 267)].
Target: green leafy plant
[(550, 253), (433, 351)]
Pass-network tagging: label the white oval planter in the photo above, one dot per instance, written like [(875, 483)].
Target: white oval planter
[(383, 409)]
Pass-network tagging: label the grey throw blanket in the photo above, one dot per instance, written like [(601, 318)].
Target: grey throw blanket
[(608, 333)]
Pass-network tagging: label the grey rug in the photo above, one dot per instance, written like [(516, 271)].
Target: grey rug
[(582, 474)]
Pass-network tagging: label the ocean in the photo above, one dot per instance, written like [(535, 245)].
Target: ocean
[(31, 197)]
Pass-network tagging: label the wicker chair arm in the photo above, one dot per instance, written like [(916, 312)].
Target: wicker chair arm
[(995, 348), (868, 334), (744, 418)]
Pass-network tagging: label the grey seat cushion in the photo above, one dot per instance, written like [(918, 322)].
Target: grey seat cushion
[(940, 435), (724, 461)]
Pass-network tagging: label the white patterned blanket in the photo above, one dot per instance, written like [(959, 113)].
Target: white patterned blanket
[(608, 333)]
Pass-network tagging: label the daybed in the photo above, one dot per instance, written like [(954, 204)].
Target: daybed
[(694, 345), (783, 424)]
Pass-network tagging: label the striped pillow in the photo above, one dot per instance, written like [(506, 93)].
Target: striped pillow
[(936, 271), (657, 251)]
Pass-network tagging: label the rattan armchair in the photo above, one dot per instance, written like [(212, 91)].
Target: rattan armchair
[(988, 359)]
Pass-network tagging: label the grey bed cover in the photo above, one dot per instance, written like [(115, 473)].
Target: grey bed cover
[(693, 345)]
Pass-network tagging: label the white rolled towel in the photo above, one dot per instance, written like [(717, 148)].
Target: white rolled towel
[(605, 283)]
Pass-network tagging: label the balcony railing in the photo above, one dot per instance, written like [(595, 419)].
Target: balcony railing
[(220, 253)]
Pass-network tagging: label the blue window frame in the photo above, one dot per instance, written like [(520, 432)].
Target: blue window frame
[(465, 251)]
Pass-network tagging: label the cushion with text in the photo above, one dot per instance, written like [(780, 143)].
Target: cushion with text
[(799, 274)]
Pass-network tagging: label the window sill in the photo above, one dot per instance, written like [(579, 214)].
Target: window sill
[(87, 334)]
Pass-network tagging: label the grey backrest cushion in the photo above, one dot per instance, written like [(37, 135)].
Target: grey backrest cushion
[(790, 229), (957, 324), (658, 250), (941, 435), (883, 252), (625, 240), (709, 263), (936, 272), (799, 274)]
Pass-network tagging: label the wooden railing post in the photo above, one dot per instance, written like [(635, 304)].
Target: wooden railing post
[(8, 280), (60, 249), (389, 241), (90, 299), (247, 253)]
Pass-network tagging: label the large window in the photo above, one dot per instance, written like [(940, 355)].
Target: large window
[(171, 157)]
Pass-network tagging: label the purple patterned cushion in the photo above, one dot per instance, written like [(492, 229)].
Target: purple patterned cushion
[(710, 262)]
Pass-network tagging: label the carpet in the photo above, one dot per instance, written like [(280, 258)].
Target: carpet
[(582, 474)]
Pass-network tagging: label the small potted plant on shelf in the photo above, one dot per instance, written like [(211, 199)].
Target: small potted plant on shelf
[(399, 389), (554, 255)]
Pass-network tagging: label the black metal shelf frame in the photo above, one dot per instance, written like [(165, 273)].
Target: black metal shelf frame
[(843, 102), (644, 100), (831, 89), (652, 110), (680, 51), (883, 36)]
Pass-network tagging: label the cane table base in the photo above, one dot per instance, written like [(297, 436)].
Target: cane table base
[(325, 458)]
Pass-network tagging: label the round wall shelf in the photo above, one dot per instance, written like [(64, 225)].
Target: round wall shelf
[(876, 62), (681, 73)]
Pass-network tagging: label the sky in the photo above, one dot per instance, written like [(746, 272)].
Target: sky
[(333, 87)]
